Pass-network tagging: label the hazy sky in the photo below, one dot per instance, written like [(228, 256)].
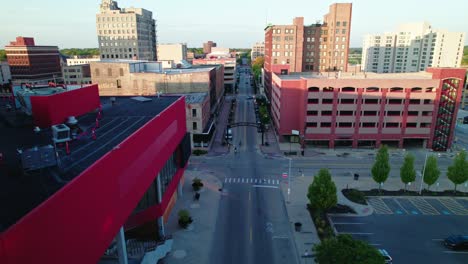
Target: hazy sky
[(240, 23)]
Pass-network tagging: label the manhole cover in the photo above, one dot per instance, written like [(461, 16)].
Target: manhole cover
[(179, 254)]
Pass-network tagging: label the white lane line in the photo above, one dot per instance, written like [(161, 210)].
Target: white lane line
[(277, 181), (265, 186), (353, 233), (399, 204), (456, 252), (229, 180), (279, 237), (349, 223), (242, 180), (268, 181), (437, 239), (372, 244)]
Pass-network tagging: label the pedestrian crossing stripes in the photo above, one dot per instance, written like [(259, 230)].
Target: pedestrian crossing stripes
[(424, 206), (453, 206), (379, 206), (251, 181)]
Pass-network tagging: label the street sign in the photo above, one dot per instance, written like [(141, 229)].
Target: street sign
[(285, 175)]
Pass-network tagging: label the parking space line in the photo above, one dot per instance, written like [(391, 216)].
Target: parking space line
[(462, 201), (453, 206), (408, 206), (356, 233), (379, 206), (423, 206), (397, 202)]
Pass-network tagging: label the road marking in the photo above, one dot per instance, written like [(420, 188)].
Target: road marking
[(268, 181), (250, 196), (277, 181), (349, 223), (251, 234), (279, 237), (242, 180), (437, 239), (372, 244), (456, 252), (353, 233), (379, 206), (399, 204), (225, 180), (453, 206), (255, 180), (423, 206), (265, 186)]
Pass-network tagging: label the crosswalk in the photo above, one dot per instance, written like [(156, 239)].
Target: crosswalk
[(251, 181)]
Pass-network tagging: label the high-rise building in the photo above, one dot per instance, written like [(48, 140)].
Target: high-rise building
[(33, 64), (207, 46), (414, 47), (125, 33), (5, 74), (318, 47), (258, 50)]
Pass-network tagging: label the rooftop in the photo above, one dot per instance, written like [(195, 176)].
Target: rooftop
[(358, 75), (195, 98), (21, 190)]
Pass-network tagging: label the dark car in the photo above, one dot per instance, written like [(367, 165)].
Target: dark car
[(456, 242)]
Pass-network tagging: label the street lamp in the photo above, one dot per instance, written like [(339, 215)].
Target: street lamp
[(422, 175)]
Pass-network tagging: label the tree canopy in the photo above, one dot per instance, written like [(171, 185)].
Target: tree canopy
[(345, 249), (322, 191), (407, 171), (431, 172), (458, 171), (381, 167)]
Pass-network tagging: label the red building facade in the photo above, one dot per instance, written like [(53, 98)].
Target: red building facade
[(367, 110)]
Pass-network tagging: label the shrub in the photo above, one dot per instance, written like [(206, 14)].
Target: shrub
[(184, 218), (197, 184), (198, 152)]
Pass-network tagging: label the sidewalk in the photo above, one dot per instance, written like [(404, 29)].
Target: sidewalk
[(221, 123), (193, 245)]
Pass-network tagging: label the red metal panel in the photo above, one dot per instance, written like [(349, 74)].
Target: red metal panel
[(77, 223), (54, 109)]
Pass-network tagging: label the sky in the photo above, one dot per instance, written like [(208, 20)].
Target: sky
[(232, 24)]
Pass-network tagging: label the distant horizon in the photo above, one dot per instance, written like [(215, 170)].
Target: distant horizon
[(235, 27)]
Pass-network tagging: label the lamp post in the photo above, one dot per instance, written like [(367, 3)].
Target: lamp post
[(422, 175), (289, 179)]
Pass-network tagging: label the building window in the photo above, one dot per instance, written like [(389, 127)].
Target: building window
[(327, 101), (411, 124), (370, 113), (326, 113), (121, 71), (312, 101), (392, 124), (109, 71), (414, 101), (311, 124), (412, 113), (368, 124), (312, 113), (325, 124), (194, 112), (346, 113), (345, 124), (194, 125), (393, 113)]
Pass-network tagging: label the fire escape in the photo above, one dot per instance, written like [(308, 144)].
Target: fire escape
[(445, 115)]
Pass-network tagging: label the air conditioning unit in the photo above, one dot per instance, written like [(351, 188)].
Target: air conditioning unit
[(60, 133)]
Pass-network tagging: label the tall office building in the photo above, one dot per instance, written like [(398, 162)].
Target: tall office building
[(258, 50), (126, 33), (30, 63), (318, 47), (414, 47), (207, 46)]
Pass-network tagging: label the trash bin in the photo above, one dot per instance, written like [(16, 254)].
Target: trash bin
[(297, 226), (356, 176)]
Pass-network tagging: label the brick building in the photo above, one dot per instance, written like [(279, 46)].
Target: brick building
[(368, 109), (318, 47), (30, 63)]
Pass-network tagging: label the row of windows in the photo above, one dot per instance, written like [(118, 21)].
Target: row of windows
[(287, 31), (373, 89), (368, 101), (118, 31), (368, 113), (286, 46), (369, 124), (116, 19), (278, 54)]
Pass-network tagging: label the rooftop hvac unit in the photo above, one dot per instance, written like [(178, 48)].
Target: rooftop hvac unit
[(61, 133)]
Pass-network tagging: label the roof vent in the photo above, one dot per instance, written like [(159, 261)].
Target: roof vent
[(37, 130), (72, 121)]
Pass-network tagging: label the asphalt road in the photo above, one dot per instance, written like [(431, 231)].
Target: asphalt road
[(252, 224), (408, 238)]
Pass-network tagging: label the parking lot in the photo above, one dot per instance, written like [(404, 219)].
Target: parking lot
[(411, 229)]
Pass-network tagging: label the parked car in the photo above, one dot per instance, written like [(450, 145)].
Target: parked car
[(456, 242), (229, 134), (384, 253)]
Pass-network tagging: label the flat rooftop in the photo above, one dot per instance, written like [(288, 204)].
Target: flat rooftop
[(195, 98), (21, 191), (358, 75)]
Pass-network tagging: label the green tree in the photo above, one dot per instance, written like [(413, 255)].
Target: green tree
[(407, 171), (2, 55), (458, 172), (431, 172), (322, 191), (257, 66), (381, 167), (345, 249)]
